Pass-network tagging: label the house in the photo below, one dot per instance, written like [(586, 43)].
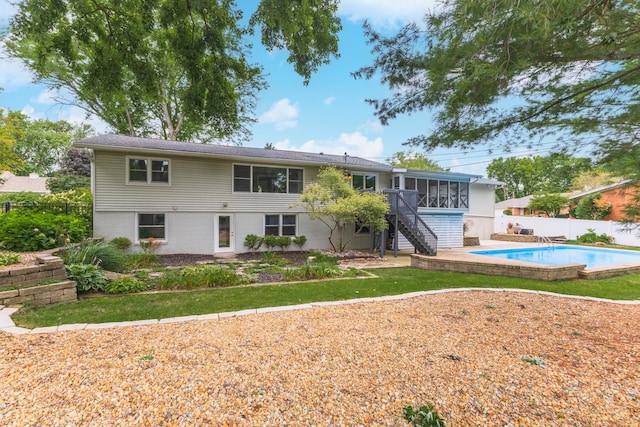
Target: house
[(198, 198), (10, 183), (618, 194), (518, 206)]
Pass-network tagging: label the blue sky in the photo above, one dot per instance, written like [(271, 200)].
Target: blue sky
[(328, 115)]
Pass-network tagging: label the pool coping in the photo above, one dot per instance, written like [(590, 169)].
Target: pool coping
[(461, 260)]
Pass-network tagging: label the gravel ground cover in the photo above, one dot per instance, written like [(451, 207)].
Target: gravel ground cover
[(340, 366)]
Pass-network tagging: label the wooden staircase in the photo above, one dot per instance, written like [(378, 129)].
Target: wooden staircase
[(403, 215)]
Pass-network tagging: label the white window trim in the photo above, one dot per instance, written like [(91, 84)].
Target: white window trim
[(137, 227), (251, 166), (280, 222), (149, 171), (364, 178)]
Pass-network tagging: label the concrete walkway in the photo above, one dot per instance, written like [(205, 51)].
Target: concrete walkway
[(8, 326)]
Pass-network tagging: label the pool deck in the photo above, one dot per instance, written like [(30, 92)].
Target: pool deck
[(462, 261)]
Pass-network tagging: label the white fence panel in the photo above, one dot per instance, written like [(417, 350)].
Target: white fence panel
[(570, 228)]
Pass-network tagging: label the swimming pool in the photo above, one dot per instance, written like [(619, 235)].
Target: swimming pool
[(562, 255)]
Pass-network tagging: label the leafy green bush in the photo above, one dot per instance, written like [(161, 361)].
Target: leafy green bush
[(121, 243), (8, 259), (273, 258), (102, 254), (424, 416), (299, 241), (591, 237), (252, 242), (60, 184), (27, 197), (199, 276), (283, 242), (125, 285), (88, 277), (23, 230), (270, 241)]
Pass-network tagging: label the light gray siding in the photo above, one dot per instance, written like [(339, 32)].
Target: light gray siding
[(448, 228), (197, 184)]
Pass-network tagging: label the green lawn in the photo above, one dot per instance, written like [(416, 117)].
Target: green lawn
[(390, 281)]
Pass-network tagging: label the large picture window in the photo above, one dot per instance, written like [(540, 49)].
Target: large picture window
[(148, 171), (266, 179), (151, 225), (280, 225)]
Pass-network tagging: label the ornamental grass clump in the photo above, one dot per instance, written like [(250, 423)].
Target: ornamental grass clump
[(103, 254), (199, 276)]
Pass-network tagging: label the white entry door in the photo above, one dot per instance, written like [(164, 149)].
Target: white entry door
[(223, 239)]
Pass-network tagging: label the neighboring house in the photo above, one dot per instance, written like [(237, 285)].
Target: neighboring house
[(518, 207), (619, 195), (198, 198), (10, 183)]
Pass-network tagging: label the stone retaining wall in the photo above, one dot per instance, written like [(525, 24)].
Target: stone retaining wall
[(42, 294), (547, 273), (521, 238), (49, 268)]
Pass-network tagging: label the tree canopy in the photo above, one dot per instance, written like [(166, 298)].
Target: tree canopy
[(539, 174), (170, 69), (37, 145), (413, 160), (550, 204), (504, 72)]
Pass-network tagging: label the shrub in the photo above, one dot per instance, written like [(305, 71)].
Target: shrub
[(252, 242), (507, 212), (60, 184), (98, 253), (125, 285), (299, 241), (283, 242), (27, 198), (424, 416), (8, 259), (270, 241), (88, 277), (121, 243), (199, 276), (592, 237), (23, 230)]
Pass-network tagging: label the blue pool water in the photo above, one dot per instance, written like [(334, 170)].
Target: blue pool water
[(560, 255)]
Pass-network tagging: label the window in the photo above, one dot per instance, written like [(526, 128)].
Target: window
[(264, 179), (435, 193), (151, 225), (241, 178), (280, 225), (363, 182), (147, 171)]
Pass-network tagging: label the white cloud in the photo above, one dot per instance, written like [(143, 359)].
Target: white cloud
[(354, 144), (387, 13), (13, 74), (47, 97), (282, 114), (372, 126), (329, 100)]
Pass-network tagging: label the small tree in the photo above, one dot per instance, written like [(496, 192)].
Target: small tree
[(332, 201), (594, 207), (550, 204)]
